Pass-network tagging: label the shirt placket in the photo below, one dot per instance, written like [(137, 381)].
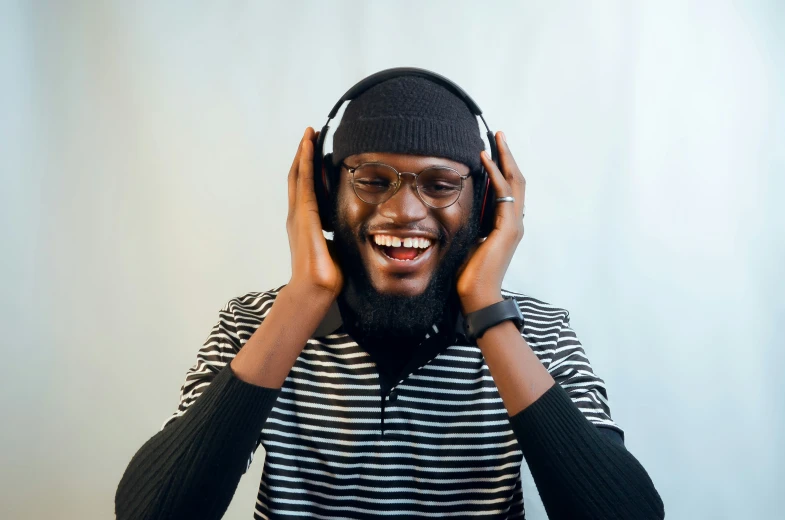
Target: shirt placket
[(390, 408)]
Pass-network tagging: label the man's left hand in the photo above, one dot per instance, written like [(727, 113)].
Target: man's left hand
[(480, 278)]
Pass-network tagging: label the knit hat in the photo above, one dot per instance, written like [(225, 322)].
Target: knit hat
[(409, 115)]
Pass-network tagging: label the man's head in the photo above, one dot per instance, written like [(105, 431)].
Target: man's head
[(410, 124)]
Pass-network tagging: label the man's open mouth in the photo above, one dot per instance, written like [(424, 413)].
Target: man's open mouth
[(401, 249)]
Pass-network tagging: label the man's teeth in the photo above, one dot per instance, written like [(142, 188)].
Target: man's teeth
[(391, 241)]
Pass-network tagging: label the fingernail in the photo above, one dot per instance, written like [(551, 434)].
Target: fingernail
[(504, 137)]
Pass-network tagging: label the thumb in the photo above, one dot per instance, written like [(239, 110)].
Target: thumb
[(468, 259), (333, 250)]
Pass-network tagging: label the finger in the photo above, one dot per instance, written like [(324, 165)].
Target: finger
[(505, 211), (510, 168), (292, 178), (469, 256), (305, 189)]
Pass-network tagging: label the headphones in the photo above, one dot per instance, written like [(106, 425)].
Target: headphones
[(326, 182)]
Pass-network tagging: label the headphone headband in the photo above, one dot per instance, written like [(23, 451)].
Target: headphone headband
[(396, 72), (381, 76)]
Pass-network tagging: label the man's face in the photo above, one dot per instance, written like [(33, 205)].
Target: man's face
[(401, 296)]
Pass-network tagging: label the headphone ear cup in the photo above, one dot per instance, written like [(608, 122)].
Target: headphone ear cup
[(488, 194), (322, 184), (487, 204), (321, 180)]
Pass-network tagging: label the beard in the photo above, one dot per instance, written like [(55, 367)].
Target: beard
[(379, 316)]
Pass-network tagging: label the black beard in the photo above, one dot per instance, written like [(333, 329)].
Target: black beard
[(390, 316)]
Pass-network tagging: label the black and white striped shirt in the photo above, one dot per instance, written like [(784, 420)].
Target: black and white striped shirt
[(440, 444)]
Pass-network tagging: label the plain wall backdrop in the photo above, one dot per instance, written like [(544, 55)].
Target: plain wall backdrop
[(144, 148)]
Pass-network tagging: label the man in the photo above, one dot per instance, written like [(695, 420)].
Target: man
[(358, 377)]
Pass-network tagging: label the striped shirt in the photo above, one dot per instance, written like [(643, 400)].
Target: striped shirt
[(439, 444)]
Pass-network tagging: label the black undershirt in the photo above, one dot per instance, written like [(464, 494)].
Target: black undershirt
[(397, 357)]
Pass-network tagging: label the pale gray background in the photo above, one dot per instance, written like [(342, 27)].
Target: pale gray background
[(144, 150)]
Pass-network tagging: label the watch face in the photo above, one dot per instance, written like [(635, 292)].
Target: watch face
[(520, 315)]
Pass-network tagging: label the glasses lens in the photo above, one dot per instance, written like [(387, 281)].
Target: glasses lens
[(374, 183), (439, 187)]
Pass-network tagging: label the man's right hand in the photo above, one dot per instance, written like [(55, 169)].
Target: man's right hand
[(271, 352), (313, 266)]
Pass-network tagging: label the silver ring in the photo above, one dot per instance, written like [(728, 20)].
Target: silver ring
[(505, 199)]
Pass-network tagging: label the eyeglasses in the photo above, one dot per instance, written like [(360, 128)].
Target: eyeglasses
[(437, 186)]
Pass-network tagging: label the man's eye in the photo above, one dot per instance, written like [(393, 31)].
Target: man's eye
[(372, 184), (440, 188)]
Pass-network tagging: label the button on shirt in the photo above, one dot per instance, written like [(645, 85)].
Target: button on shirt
[(438, 443)]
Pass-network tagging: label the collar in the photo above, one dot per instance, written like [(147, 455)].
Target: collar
[(391, 369), (333, 321)]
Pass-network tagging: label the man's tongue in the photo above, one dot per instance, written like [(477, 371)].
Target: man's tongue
[(401, 253)]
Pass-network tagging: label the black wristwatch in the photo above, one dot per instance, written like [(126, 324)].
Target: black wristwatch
[(478, 322)]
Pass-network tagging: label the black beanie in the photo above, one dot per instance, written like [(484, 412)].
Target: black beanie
[(409, 115)]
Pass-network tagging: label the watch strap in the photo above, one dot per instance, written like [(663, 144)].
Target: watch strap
[(479, 321)]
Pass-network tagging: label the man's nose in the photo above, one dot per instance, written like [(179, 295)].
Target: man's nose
[(405, 205)]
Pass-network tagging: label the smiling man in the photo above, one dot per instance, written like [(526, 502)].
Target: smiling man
[(393, 376)]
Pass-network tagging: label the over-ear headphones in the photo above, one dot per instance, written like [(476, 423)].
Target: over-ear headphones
[(326, 174)]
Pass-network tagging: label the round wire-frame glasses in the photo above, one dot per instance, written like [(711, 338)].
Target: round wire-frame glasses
[(442, 185)]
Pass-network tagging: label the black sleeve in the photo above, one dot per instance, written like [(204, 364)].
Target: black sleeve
[(191, 468), (580, 472)]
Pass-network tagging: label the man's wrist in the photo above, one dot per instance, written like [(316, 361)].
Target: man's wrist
[(479, 301), (312, 298)]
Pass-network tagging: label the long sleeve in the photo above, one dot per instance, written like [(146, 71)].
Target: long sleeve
[(580, 471), (191, 468)]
